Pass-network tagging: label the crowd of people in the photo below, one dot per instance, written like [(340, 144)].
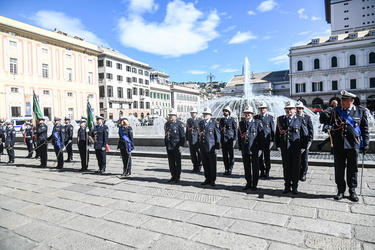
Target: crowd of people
[(292, 134)]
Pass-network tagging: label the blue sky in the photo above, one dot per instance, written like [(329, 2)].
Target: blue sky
[(186, 39)]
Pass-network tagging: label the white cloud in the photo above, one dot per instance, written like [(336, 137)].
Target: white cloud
[(251, 13), (315, 18), (280, 59), (304, 33), (71, 25), (267, 37), (140, 6), (216, 51), (196, 72), (241, 37), (215, 66), (301, 15), (267, 6), (228, 70), (182, 31), (230, 28)]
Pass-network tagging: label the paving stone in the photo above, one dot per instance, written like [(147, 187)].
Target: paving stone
[(164, 201), (330, 204), (129, 196), (167, 242), (14, 220), (211, 221), (235, 202), (98, 200), (78, 188), (320, 226), (64, 204), (55, 216), (168, 213), (128, 218), (291, 210), (365, 233), (161, 192), (368, 246), (194, 206), (39, 231), (17, 242), (82, 223), (99, 191), (128, 206), (12, 204), (94, 211), (70, 195), (4, 233), (318, 241), (229, 240), (363, 209), (257, 216), (283, 246), (349, 218), (369, 200)]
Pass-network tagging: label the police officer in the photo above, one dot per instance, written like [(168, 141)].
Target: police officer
[(310, 129), (101, 141), (209, 142), (83, 142), (349, 129), (324, 119), (192, 139), (58, 139), (228, 130), (250, 143), (2, 138), (29, 139), (269, 137), (174, 139), (291, 137), (10, 137), (41, 142), (126, 145), (68, 139)]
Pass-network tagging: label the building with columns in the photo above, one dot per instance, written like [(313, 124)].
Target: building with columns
[(62, 70)]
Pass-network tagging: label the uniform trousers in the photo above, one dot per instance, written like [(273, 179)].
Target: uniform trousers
[(209, 160), (69, 150), (83, 153), (174, 161), (195, 155), (30, 147), (126, 160), (228, 154), (10, 152), (291, 158), (60, 156), (304, 162), (101, 156), (250, 164), (346, 159), (42, 153), (265, 159)]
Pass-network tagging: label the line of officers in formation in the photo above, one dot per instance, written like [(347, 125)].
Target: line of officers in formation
[(347, 126)]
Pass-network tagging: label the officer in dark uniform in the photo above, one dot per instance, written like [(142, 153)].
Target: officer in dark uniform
[(269, 137), (250, 143), (291, 137), (209, 142), (41, 142), (310, 130), (10, 137), (192, 139), (58, 139), (2, 138), (101, 141), (68, 139), (83, 142), (126, 145), (228, 130), (349, 129), (174, 139), (29, 139)]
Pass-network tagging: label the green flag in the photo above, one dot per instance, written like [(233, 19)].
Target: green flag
[(90, 116), (36, 108)]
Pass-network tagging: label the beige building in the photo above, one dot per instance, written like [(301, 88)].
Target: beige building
[(184, 99), (62, 70), (160, 94)]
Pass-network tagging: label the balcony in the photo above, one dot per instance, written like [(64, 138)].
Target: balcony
[(120, 100)]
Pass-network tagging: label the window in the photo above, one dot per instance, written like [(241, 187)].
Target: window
[(372, 82), (109, 76), (135, 91), (134, 70), (128, 68), (352, 60), (333, 38), (353, 83), (45, 92), (135, 104), (45, 70), (45, 51), (108, 63), (89, 61), (70, 94), (140, 72), (317, 86), (120, 92), (90, 78), (334, 85), (316, 64), (300, 87), (13, 66), (147, 73), (129, 93), (67, 56), (140, 80), (371, 57), (315, 40), (147, 105), (119, 78), (90, 96), (118, 66), (147, 92), (13, 43), (134, 79), (109, 91), (147, 82), (14, 90), (16, 111), (101, 76), (100, 63), (141, 91), (101, 105), (69, 75), (110, 105), (128, 79), (334, 62), (101, 91), (353, 35), (299, 66), (141, 104)]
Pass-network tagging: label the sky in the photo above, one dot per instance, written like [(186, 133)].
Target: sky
[(186, 39)]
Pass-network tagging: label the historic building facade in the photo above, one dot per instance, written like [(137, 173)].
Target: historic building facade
[(184, 99), (160, 93)]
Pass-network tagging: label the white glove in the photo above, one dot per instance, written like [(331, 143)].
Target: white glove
[(278, 149), (302, 150), (308, 144), (103, 148), (260, 153), (234, 143), (187, 143), (271, 144), (87, 130)]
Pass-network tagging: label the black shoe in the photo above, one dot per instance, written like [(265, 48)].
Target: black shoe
[(36, 157), (205, 183), (99, 171), (261, 175), (339, 196), (295, 191), (213, 184), (171, 181), (286, 190), (68, 160), (59, 167), (254, 188), (42, 166), (28, 156), (247, 187), (266, 176), (194, 170), (10, 162), (303, 177), (227, 172), (353, 197)]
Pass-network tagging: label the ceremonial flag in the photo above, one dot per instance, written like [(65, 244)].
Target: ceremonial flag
[(36, 108), (90, 116)]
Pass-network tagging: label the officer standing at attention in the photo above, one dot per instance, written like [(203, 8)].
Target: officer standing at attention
[(174, 138), (310, 130), (82, 139), (192, 138), (209, 142), (291, 137), (126, 145), (269, 137), (228, 129), (10, 137), (68, 139), (58, 139), (2, 138), (29, 139), (101, 141), (250, 143), (349, 129), (41, 142)]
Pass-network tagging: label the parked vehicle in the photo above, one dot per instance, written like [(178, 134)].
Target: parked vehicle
[(19, 122)]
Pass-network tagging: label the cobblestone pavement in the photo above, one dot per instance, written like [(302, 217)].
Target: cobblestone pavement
[(44, 208)]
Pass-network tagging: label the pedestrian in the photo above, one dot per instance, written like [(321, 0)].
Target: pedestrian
[(83, 143), (173, 140), (10, 138), (41, 142), (350, 134), (101, 142), (291, 138), (250, 143), (2, 138), (323, 118), (209, 143), (310, 129), (126, 145), (29, 139), (228, 135), (192, 139), (58, 139), (68, 139), (269, 138)]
